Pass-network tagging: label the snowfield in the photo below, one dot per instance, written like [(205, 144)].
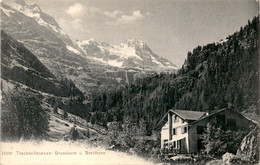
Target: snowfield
[(72, 49), (63, 153), (116, 55)]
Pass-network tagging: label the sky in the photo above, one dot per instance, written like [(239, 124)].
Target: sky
[(170, 28)]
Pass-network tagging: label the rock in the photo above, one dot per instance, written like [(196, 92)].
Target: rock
[(227, 157), (230, 159), (249, 149)]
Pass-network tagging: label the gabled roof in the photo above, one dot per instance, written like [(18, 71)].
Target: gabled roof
[(185, 115), (221, 110), (211, 114), (188, 115), (196, 116)]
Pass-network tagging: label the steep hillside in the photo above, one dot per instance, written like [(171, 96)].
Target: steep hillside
[(44, 38), (218, 75), (34, 104), (225, 74), (20, 65), (22, 71), (42, 35)]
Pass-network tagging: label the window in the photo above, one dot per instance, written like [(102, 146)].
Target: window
[(174, 144), (184, 130), (200, 129), (231, 123), (173, 131), (176, 119)]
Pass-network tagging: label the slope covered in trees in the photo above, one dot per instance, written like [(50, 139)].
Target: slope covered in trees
[(27, 88), (214, 76), (22, 116), (20, 65)]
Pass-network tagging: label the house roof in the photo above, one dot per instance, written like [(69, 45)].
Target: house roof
[(185, 114), (220, 110), (188, 115), (196, 116), (211, 114)]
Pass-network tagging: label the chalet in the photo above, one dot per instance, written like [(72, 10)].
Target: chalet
[(183, 130)]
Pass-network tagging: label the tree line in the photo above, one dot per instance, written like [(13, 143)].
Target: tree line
[(214, 76)]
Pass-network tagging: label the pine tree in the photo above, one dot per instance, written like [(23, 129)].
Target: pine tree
[(207, 139)]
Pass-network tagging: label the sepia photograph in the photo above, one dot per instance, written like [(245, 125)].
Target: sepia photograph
[(129, 82)]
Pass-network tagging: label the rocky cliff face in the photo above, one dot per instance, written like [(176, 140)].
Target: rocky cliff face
[(249, 149), (248, 153)]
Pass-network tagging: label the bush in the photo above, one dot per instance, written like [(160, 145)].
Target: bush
[(218, 141)]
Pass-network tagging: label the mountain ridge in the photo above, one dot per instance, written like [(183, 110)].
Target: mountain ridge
[(130, 54), (60, 54)]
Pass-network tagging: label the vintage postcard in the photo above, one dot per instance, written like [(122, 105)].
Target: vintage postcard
[(129, 82)]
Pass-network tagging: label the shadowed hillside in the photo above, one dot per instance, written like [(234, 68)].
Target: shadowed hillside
[(214, 76), (29, 91)]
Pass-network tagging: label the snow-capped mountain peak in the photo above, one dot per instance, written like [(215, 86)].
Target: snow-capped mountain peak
[(27, 9), (88, 63), (20, 10), (35, 12), (133, 53)]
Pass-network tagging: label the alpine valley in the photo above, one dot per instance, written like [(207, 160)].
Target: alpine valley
[(91, 65), (115, 97)]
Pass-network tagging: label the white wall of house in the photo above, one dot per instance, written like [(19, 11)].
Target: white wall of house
[(178, 124), (164, 134)]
